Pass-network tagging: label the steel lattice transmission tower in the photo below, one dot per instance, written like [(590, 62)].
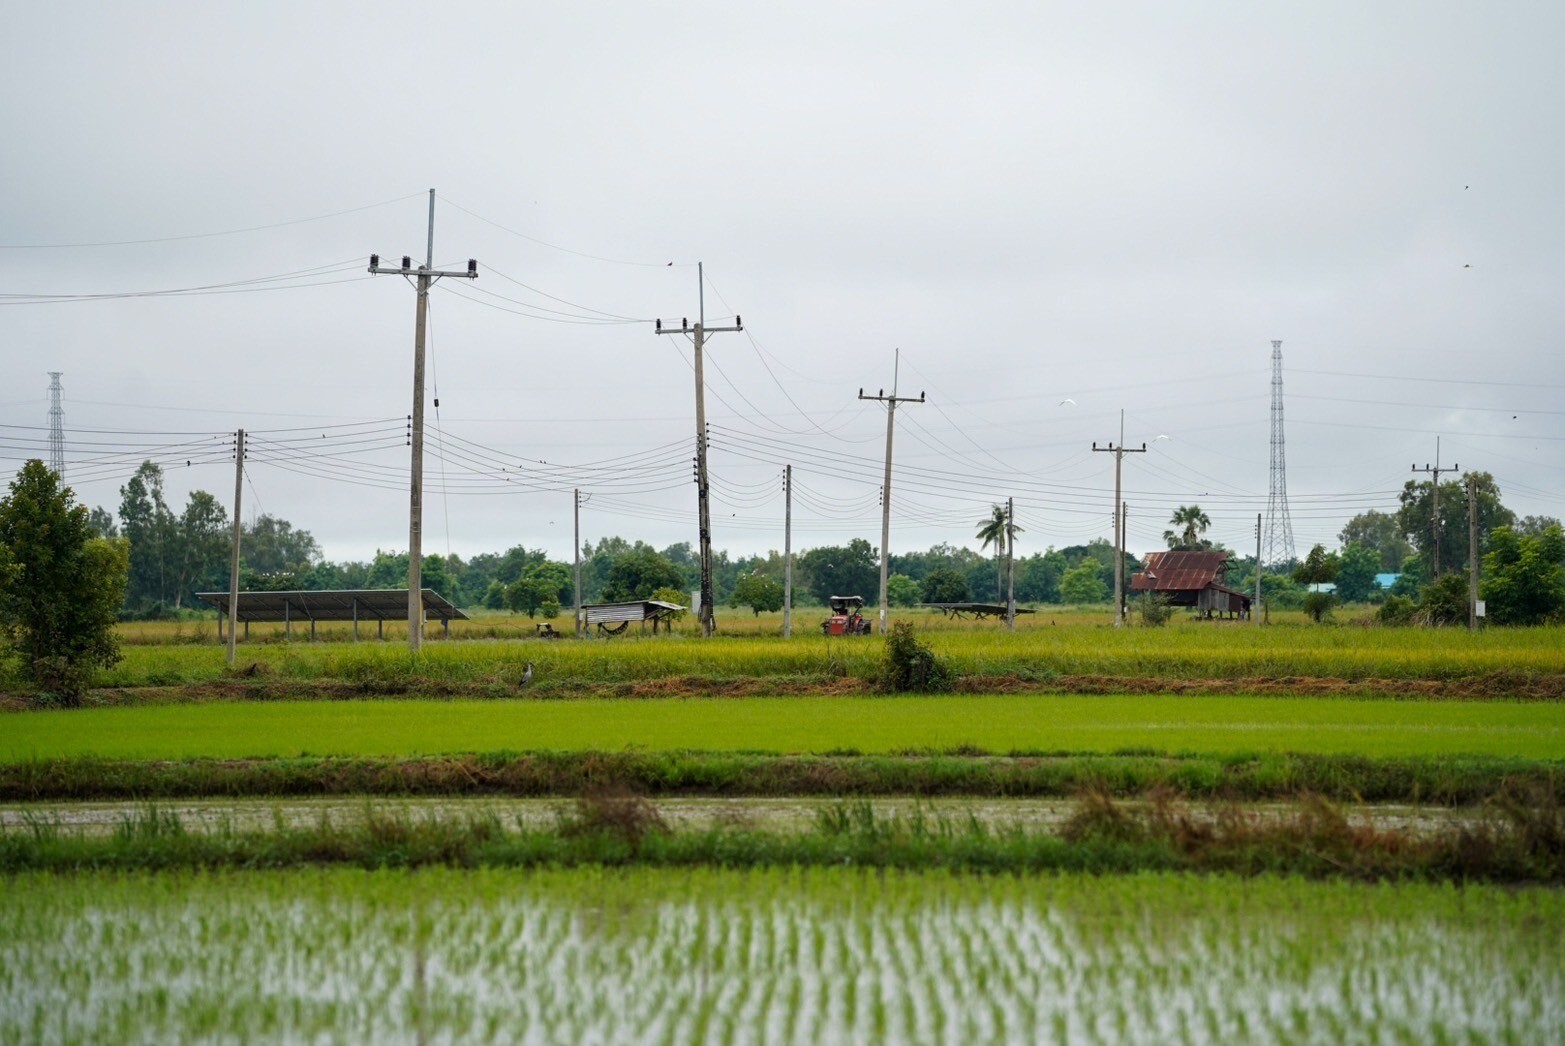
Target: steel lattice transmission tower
[(1278, 546), (56, 427)]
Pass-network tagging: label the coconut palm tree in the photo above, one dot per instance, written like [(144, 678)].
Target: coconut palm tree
[(1000, 531), (1193, 523)]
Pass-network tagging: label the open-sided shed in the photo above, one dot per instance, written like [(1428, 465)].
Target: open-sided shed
[(614, 618), (357, 604)]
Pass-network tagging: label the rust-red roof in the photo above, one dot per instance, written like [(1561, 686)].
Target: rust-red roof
[(1180, 571)]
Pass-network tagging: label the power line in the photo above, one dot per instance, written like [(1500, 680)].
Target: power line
[(203, 235)]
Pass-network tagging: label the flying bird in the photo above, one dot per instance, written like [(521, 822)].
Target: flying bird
[(1066, 400)]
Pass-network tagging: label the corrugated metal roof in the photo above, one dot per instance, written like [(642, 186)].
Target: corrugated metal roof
[(387, 604), (1180, 571), (633, 610)]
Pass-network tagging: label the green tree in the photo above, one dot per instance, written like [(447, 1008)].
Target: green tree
[(758, 592), (1381, 533), (102, 522), (150, 527), (1319, 568), (1191, 523), (838, 570), (1416, 517), (1524, 576), (61, 588), (1356, 570), (540, 583), (999, 530), (902, 591), (636, 575), (271, 545), (944, 585), (1083, 584), (1038, 577), (1530, 526), (203, 546)]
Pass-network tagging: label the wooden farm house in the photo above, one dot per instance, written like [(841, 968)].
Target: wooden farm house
[(1192, 579)]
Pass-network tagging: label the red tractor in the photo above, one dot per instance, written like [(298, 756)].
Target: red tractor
[(845, 618)]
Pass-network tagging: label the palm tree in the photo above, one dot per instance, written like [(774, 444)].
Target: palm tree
[(1000, 531), (1194, 523)]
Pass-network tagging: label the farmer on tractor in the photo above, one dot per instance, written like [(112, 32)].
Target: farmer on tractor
[(845, 618)]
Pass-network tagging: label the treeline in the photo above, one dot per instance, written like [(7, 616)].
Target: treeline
[(175, 554)]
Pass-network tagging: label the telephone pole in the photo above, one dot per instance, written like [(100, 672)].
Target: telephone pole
[(891, 402), (787, 551), (577, 561), (1434, 514), (1119, 453), (426, 274), (698, 335), (1010, 563), (233, 558), (1472, 553), (1255, 609)]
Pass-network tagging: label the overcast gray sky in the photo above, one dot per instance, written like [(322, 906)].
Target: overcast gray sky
[(1055, 212)]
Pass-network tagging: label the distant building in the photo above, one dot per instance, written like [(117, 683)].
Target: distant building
[(1198, 580)]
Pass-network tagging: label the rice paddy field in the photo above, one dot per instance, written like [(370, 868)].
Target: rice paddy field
[(1131, 842), (993, 723), (816, 955)]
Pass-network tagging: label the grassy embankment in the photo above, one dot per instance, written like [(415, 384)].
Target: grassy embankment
[(1523, 840)]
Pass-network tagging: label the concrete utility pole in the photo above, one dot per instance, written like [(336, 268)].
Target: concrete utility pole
[(787, 551), (1124, 541), (233, 558), (704, 511), (1010, 563), (1119, 453), (427, 275), (891, 402), (1472, 553), (1255, 610), (1434, 515), (577, 572)]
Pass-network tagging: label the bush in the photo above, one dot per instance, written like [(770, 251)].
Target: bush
[(1396, 611), (908, 665), (549, 609), (1318, 605), (1444, 602), (1155, 610)]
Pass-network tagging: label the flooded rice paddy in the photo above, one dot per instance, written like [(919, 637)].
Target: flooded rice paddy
[(779, 955)]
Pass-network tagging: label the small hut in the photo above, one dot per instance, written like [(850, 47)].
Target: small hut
[(1192, 579)]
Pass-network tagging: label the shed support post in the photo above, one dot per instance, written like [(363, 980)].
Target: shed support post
[(312, 628), (380, 629), (445, 627), (287, 621), (355, 619), (247, 628)]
